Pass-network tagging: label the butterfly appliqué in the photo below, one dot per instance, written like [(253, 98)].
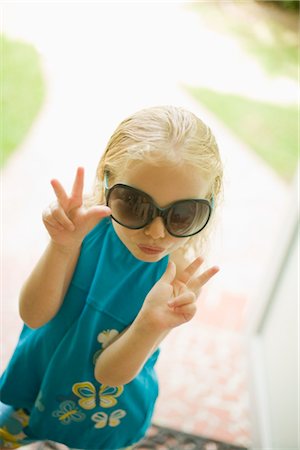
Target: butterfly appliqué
[(105, 338), (87, 394), (68, 412), (113, 420)]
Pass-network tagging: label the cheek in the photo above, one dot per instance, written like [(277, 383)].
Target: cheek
[(176, 243), (125, 234), (120, 231)]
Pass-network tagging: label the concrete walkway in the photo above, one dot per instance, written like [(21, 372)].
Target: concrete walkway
[(103, 61)]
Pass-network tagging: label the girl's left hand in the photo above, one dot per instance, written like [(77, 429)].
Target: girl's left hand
[(172, 300)]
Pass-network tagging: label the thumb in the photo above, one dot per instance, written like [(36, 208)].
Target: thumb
[(95, 214), (170, 273)]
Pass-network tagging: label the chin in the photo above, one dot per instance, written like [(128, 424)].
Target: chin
[(147, 258)]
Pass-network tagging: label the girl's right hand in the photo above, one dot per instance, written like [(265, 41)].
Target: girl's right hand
[(67, 220)]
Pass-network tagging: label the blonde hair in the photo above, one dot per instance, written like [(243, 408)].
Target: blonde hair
[(160, 135)]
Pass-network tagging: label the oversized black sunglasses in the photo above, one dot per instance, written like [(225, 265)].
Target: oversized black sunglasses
[(135, 209)]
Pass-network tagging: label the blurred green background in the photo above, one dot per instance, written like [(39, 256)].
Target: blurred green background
[(22, 92), (269, 129)]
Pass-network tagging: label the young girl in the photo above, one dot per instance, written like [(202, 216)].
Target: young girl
[(112, 283)]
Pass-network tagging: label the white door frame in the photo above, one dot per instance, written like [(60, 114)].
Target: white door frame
[(260, 415)]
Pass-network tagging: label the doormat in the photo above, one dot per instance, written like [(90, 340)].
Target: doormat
[(161, 438)]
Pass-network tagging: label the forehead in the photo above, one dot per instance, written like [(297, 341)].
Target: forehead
[(166, 183)]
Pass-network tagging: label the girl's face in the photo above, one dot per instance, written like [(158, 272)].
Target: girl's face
[(165, 184)]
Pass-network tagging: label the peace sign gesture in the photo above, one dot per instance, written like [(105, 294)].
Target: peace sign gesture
[(67, 220), (172, 300)]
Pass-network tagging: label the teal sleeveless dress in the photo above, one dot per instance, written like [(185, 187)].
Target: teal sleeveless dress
[(51, 373)]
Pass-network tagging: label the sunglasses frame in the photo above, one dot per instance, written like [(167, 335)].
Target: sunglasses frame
[(159, 212)]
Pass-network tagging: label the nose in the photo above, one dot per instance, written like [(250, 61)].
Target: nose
[(155, 229)]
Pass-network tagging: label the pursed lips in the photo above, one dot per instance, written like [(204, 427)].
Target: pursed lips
[(150, 249)]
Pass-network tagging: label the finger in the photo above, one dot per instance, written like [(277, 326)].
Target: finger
[(54, 229), (179, 287), (183, 299), (77, 189), (61, 217), (94, 214), (187, 311), (53, 224), (205, 277), (99, 210), (60, 193), (49, 220), (191, 270), (170, 273)]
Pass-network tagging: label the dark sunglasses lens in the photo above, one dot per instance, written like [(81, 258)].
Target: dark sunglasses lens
[(129, 207), (188, 217)]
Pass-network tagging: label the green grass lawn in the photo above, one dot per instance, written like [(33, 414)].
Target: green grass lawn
[(272, 42), (271, 130), (22, 92)]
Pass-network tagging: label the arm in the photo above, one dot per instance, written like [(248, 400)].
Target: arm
[(170, 303), (122, 360), (42, 294), (67, 223)]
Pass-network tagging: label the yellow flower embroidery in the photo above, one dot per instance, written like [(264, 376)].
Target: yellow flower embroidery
[(86, 391), (102, 419)]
